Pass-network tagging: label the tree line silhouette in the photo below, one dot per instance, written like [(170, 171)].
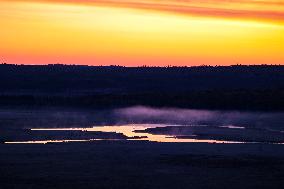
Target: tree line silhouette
[(207, 87)]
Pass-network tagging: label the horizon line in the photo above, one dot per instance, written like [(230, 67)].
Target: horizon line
[(142, 66)]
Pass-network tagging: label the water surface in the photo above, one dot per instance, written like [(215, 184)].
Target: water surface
[(141, 124)]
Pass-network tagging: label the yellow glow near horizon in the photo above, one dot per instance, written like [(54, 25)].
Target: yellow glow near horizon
[(40, 33)]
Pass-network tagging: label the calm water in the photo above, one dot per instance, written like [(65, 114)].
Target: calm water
[(141, 123), (128, 131)]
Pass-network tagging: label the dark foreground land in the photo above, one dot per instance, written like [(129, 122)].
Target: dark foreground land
[(131, 164), (138, 164), (204, 87), (27, 91)]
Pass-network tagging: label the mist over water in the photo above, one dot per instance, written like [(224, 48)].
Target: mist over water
[(142, 123), (175, 116)]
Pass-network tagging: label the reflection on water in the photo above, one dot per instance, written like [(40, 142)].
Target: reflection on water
[(167, 125), (55, 141), (129, 132), (232, 127)]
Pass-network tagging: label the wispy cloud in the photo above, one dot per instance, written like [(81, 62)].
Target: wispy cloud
[(96, 32), (240, 9)]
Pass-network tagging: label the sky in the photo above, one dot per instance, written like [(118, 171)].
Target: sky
[(142, 32)]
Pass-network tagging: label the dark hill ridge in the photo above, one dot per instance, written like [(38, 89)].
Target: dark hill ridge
[(225, 87), (95, 79)]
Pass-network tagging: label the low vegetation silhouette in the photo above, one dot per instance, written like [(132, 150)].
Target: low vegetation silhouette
[(203, 87)]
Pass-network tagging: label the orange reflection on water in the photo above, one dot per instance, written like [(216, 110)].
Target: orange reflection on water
[(54, 141), (129, 131)]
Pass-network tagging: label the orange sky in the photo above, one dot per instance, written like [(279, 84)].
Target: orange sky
[(142, 32)]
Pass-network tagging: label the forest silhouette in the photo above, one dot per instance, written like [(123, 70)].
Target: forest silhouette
[(203, 87)]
